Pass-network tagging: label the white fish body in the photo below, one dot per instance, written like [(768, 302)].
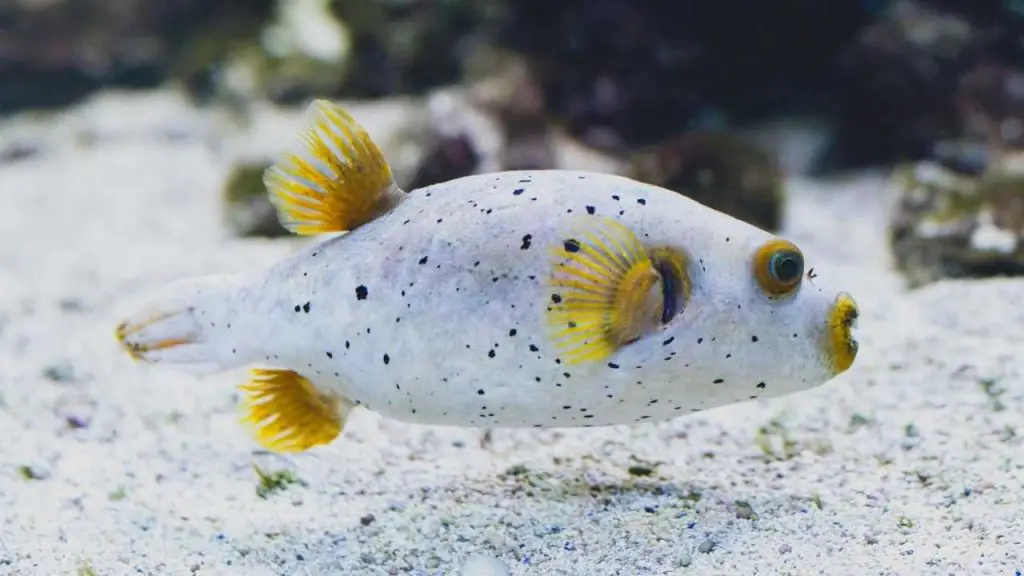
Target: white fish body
[(435, 311)]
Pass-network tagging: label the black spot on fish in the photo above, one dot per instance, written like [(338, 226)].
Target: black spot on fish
[(423, 260), (480, 392), (533, 348), (700, 340), (571, 245), (613, 365), (361, 292), (762, 385), (641, 201), (347, 345), (298, 308), (517, 191), (526, 242), (668, 340), (754, 338), (615, 197), (717, 381), (305, 307), (591, 209), (329, 354), (387, 359), (491, 353), (512, 332), (556, 298)]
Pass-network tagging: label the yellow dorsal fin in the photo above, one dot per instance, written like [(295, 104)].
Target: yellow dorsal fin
[(336, 182), (288, 414), (605, 291)]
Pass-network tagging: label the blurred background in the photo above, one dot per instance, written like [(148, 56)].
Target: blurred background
[(718, 100)]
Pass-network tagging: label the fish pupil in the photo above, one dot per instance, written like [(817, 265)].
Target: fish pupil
[(787, 266)]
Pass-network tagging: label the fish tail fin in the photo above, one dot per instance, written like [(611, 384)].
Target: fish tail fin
[(338, 179), (186, 325)]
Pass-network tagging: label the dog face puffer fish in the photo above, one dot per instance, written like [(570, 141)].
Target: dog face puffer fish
[(551, 298)]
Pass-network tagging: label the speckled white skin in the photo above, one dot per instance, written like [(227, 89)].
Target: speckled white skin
[(451, 328)]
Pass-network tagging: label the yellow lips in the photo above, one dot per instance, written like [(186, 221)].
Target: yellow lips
[(840, 345)]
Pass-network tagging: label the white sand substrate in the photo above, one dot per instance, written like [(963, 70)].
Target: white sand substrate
[(909, 464)]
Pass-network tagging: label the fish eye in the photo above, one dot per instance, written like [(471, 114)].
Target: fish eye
[(779, 267)]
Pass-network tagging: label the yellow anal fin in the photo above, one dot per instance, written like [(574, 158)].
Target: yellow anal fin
[(287, 413), (338, 180), (604, 291)]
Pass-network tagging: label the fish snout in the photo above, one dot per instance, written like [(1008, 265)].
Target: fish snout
[(840, 345)]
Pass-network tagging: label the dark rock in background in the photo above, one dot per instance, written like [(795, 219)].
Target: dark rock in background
[(451, 156), (632, 72), (408, 46), (894, 84), (895, 77), (719, 170), (247, 209), (53, 52)]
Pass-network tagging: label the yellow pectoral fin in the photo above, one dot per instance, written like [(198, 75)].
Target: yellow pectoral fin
[(604, 291), (287, 413), (337, 182)]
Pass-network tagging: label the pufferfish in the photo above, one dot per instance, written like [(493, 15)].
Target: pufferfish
[(539, 298)]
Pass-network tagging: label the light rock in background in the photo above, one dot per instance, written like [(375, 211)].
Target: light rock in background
[(484, 565), (505, 85), (301, 51), (441, 142), (952, 225)]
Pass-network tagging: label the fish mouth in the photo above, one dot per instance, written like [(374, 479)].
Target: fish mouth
[(841, 346)]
